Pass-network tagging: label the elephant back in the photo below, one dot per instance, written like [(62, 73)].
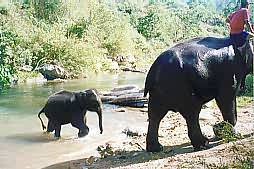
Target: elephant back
[(214, 42)]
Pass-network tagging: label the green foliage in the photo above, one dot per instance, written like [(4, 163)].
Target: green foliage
[(49, 10), (147, 25), (246, 97), (225, 131), (5, 76), (249, 86), (105, 151), (57, 31), (3, 11), (23, 75), (110, 30), (77, 29), (8, 42)]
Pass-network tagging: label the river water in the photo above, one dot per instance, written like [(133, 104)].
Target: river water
[(23, 145)]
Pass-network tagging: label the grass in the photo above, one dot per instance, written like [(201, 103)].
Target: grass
[(225, 131)]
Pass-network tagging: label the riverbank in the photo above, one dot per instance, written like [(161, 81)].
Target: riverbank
[(177, 153)]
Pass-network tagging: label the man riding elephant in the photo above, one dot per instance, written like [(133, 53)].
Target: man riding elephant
[(238, 36), (237, 20), (190, 74)]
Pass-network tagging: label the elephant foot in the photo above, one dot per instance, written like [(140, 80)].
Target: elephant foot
[(83, 132), (57, 138), (56, 135), (202, 145), (205, 147), (154, 147)]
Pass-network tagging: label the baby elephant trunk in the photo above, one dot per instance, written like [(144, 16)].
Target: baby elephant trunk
[(99, 112)]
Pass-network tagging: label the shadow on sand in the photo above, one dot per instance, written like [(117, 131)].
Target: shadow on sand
[(125, 158)]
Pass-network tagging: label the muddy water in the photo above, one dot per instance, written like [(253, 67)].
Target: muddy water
[(24, 145)]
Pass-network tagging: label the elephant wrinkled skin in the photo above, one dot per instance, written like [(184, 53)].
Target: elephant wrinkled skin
[(188, 75), (70, 107)]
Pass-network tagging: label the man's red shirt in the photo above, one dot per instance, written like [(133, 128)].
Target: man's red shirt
[(237, 20)]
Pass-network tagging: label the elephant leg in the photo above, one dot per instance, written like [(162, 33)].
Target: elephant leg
[(226, 102), (198, 140), (79, 123), (242, 86), (155, 114), (51, 126), (57, 130)]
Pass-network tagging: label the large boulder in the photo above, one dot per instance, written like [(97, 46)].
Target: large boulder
[(51, 72)]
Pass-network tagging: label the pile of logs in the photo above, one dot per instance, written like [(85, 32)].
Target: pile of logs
[(130, 96)]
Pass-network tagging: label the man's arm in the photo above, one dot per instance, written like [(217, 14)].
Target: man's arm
[(249, 26), (246, 15)]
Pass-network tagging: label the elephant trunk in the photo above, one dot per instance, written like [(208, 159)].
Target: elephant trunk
[(99, 112)]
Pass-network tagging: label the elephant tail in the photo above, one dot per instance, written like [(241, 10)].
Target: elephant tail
[(42, 124), (149, 83)]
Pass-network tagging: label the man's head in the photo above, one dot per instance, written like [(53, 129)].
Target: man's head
[(245, 3)]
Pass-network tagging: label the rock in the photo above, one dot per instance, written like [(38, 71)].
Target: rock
[(56, 81), (51, 72), (26, 68)]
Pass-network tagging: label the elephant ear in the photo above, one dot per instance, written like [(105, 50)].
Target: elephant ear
[(92, 94), (81, 98), (92, 98)]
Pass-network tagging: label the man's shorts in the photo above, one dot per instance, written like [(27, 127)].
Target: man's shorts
[(239, 39)]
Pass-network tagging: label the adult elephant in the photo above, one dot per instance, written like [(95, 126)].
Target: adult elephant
[(188, 75), (70, 107)]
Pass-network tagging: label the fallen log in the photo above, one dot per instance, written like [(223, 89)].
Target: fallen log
[(125, 96)]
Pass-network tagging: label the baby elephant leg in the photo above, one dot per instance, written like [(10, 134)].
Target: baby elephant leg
[(51, 126), (57, 130), (78, 122)]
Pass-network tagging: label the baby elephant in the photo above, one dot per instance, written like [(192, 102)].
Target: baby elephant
[(70, 107)]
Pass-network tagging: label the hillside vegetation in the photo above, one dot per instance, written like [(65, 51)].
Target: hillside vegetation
[(90, 35)]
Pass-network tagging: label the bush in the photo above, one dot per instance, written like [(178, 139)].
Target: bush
[(40, 32), (8, 42), (48, 10), (77, 29), (249, 86)]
